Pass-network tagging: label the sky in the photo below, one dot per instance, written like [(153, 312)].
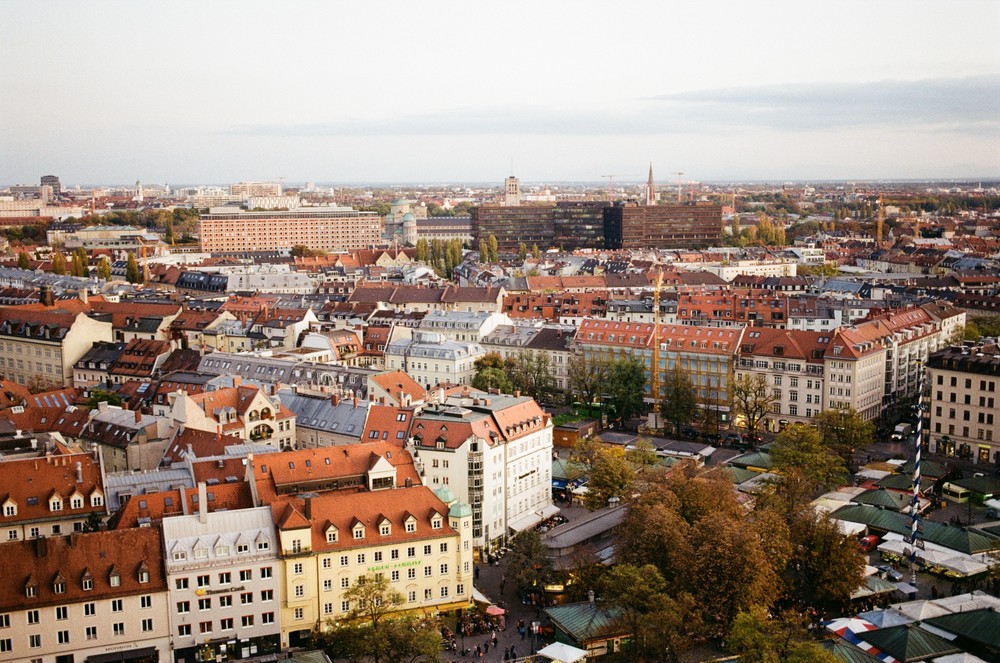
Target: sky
[(448, 92)]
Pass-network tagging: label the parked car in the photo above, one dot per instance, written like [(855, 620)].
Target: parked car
[(889, 572), (731, 439), (868, 543), (687, 431)]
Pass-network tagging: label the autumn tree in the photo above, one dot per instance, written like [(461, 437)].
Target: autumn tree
[(484, 252), (530, 567), (680, 404), (104, 269), (492, 378), (58, 263), (825, 566), (752, 400), (784, 638), (522, 251), (535, 252), (23, 260), (493, 247)]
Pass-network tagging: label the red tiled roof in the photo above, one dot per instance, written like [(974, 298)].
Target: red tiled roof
[(30, 482)]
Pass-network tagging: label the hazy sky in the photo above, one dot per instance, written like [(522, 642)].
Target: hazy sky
[(423, 91)]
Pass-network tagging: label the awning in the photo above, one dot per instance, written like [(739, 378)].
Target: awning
[(549, 511), (122, 655), (480, 597), (560, 483), (525, 522)]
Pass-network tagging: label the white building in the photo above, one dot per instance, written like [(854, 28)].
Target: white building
[(224, 581), (431, 359), (495, 454)]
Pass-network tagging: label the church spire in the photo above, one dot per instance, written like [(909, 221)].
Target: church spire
[(650, 187)]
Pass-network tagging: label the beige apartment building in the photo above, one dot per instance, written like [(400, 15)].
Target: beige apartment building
[(964, 385), (325, 228)]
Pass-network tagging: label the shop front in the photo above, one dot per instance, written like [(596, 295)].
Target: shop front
[(229, 649)]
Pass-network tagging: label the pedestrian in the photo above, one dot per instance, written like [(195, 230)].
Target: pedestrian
[(486, 647), (513, 656), (494, 640), (506, 654)]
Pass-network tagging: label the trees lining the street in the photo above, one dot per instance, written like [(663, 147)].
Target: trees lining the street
[(680, 405), (752, 401)]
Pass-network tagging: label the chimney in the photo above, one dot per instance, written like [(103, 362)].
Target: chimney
[(355, 402), (82, 294), (517, 393), (45, 295), (237, 380), (202, 503), (41, 547), (184, 502), (79, 472), (335, 399), (138, 417)]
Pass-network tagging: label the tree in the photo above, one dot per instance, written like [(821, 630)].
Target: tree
[(752, 400), (493, 246), (104, 269), (825, 566), (531, 373), (484, 252), (626, 384), (643, 453), (759, 638), (23, 261), (492, 378), (535, 252), (799, 452), (845, 431), (132, 273), (58, 263), (610, 476), (680, 405), (522, 252), (303, 251), (586, 450), (98, 396), (530, 567), (489, 360), (93, 522), (586, 375), (371, 598)]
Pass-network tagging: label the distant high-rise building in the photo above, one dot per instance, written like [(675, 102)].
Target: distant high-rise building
[(650, 187), (512, 192), (256, 189), (325, 228), (52, 181)]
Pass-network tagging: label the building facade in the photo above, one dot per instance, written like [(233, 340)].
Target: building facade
[(325, 228), (964, 384)]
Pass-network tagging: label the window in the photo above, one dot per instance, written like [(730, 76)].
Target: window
[(345, 606), (62, 612), (246, 575), (62, 637), (246, 597), (4, 621), (242, 548), (181, 583), (296, 546), (297, 568), (146, 601), (411, 573), (247, 621), (395, 576), (327, 585), (428, 594), (205, 604), (225, 578), (226, 601), (266, 572), (32, 616), (204, 627), (267, 595), (300, 591), (6, 645), (183, 607), (299, 613), (92, 633), (267, 618), (411, 552), (88, 584), (203, 581), (361, 558), (119, 628), (394, 553), (35, 641), (359, 533), (147, 625), (460, 589), (378, 555), (385, 529), (59, 586), (427, 549), (184, 629), (116, 605), (444, 592), (411, 526), (226, 624), (428, 571), (444, 547)]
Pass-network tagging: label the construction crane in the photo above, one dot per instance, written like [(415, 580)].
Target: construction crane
[(611, 186), (680, 184), (654, 375)]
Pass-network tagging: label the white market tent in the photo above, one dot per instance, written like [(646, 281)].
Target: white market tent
[(558, 652)]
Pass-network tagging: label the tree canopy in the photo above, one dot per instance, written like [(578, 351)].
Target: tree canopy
[(752, 400), (680, 404)]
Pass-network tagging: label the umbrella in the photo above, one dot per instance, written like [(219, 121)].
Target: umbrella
[(921, 610), (884, 618), (849, 627), (963, 566), (495, 610), (558, 652)]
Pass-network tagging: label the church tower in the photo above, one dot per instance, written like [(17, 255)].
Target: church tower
[(650, 187)]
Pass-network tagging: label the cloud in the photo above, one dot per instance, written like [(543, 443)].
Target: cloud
[(961, 105)]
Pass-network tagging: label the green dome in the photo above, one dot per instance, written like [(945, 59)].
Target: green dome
[(460, 510), (445, 495), (409, 217)]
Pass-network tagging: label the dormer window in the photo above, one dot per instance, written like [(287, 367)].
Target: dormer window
[(180, 555), (436, 522), (55, 503), (97, 498), (359, 532), (76, 502), (143, 573), (114, 578), (385, 529), (9, 508), (87, 581), (221, 550), (411, 525), (59, 584), (31, 587), (331, 534)]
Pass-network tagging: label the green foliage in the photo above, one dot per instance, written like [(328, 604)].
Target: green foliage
[(23, 260), (845, 431), (643, 453), (489, 360), (93, 522), (626, 384), (104, 269), (799, 450), (535, 252), (611, 475), (492, 246), (492, 378), (423, 253), (530, 567), (522, 251), (303, 251), (981, 325), (825, 566), (531, 373), (759, 638), (680, 404), (132, 273), (100, 395), (484, 252), (58, 263)]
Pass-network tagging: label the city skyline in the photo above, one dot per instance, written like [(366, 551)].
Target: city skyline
[(446, 93)]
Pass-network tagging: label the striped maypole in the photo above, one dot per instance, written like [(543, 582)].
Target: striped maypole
[(915, 507)]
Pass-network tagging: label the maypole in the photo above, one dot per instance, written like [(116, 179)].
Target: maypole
[(915, 507)]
